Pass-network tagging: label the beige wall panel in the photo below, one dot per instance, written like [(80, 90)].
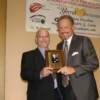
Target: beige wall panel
[(2, 45)]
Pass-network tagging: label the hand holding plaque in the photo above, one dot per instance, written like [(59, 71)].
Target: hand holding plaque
[(54, 59)]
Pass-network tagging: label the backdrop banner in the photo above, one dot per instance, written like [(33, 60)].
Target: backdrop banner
[(44, 13)]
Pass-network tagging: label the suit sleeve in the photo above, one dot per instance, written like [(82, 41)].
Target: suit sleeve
[(28, 70), (90, 62)]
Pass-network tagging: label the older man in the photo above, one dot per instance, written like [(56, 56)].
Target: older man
[(33, 70), (77, 81)]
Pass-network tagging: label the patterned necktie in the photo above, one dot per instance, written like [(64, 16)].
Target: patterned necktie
[(65, 80), (65, 51)]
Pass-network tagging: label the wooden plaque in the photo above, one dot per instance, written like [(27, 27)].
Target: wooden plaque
[(54, 58)]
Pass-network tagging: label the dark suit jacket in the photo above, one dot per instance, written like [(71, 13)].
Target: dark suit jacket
[(82, 57), (31, 65)]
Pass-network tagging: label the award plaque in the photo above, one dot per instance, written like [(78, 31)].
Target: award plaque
[(54, 59)]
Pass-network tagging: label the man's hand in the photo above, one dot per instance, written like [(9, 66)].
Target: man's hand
[(46, 71), (66, 70)]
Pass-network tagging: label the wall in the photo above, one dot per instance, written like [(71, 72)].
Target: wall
[(96, 42), (2, 45), (18, 41)]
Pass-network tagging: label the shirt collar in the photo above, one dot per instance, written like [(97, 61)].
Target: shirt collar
[(42, 50), (69, 41)]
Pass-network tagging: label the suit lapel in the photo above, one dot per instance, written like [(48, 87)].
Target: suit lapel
[(40, 54), (72, 47), (39, 58), (60, 46)]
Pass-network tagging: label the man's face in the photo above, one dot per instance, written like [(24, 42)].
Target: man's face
[(42, 39), (65, 28)]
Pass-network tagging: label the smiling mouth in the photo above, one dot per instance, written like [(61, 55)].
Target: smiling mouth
[(65, 33)]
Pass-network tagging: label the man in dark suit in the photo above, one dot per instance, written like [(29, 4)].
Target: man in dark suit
[(33, 70), (81, 62)]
